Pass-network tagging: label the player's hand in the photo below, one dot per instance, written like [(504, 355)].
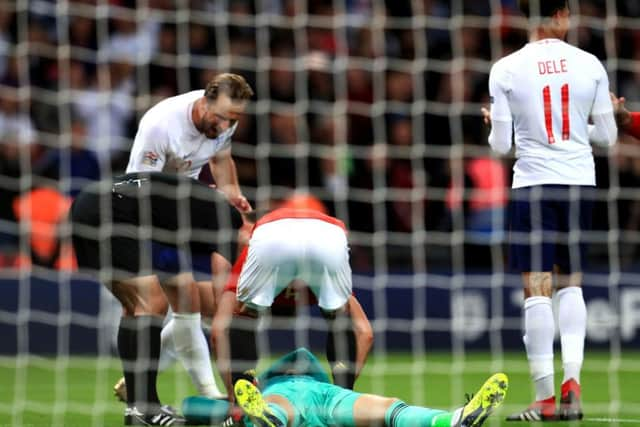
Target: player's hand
[(623, 116), (486, 116), (240, 203)]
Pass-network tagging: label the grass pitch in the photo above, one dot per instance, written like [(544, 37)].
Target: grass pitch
[(76, 391)]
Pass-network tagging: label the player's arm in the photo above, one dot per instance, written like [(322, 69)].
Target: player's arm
[(148, 153), (627, 121), (604, 130), (227, 306), (220, 336), (363, 332), (223, 170), (499, 116)]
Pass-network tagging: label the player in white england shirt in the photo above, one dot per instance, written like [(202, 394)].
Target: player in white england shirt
[(185, 132), (168, 139), (180, 135), (546, 93)]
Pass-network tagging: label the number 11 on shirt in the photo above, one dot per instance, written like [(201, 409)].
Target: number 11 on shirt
[(548, 120)]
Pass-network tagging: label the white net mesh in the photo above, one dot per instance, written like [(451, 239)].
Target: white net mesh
[(371, 105)]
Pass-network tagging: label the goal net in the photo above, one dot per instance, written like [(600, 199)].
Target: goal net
[(371, 106)]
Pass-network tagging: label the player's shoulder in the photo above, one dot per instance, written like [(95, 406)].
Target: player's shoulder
[(507, 62), (168, 110), (184, 98), (502, 71), (586, 57)]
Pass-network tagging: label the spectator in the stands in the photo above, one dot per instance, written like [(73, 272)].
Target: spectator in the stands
[(107, 107), (70, 163), (18, 148)]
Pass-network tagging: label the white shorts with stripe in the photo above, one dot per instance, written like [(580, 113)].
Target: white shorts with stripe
[(312, 250)]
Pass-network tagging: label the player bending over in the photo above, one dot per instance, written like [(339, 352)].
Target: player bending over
[(288, 247), (296, 392), (181, 135)]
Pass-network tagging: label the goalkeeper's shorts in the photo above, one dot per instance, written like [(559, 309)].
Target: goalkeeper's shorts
[(315, 403)]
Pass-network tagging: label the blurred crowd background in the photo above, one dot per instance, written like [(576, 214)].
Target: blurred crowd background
[(372, 106)]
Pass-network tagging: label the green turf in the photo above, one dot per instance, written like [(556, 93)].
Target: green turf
[(39, 391)]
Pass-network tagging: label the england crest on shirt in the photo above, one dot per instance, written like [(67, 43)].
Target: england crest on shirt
[(150, 158)]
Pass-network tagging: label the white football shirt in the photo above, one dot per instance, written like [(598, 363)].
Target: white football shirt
[(168, 141), (548, 89)]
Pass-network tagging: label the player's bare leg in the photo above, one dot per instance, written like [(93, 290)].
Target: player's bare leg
[(538, 341), (133, 294), (572, 324), (207, 299), (220, 269)]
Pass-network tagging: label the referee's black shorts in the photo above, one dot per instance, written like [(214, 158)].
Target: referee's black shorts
[(142, 224)]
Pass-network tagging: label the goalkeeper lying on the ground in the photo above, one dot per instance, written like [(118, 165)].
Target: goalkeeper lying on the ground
[(297, 392)]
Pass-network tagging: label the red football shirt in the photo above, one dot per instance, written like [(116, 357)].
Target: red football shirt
[(634, 127)]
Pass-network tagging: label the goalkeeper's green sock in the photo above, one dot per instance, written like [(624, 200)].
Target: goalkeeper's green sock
[(442, 420), (402, 415)]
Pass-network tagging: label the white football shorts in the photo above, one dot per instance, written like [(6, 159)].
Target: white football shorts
[(296, 248)]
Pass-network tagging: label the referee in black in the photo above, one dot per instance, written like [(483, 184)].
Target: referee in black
[(133, 229)]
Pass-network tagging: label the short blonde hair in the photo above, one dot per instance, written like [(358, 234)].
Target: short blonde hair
[(233, 85)]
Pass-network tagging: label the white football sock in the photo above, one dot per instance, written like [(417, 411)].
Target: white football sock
[(455, 416), (168, 355), (192, 350), (572, 324), (538, 340)]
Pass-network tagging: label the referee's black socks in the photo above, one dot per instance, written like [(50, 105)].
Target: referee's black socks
[(139, 349)]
